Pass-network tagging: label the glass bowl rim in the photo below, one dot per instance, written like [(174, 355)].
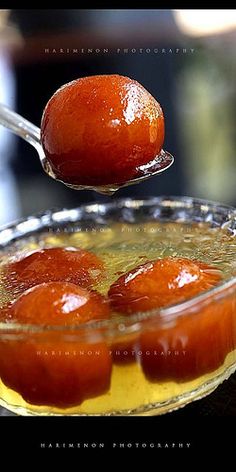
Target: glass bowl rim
[(132, 323)]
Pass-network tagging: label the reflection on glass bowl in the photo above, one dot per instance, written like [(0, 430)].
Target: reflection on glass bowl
[(145, 363)]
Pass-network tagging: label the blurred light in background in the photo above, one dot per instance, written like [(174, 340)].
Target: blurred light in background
[(9, 198), (205, 22), (3, 17), (207, 102)]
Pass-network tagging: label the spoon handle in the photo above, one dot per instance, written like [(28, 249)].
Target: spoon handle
[(20, 126)]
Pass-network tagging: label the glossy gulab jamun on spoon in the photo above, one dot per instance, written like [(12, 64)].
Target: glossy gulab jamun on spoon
[(100, 133)]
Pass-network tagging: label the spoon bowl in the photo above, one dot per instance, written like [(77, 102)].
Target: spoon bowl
[(31, 133)]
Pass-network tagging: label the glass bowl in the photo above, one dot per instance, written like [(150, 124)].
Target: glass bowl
[(147, 363)]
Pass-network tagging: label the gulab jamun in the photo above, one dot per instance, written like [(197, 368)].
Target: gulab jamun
[(101, 130), (192, 345), (161, 282), (53, 265), (56, 368)]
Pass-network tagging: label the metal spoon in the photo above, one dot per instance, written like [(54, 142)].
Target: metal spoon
[(31, 133)]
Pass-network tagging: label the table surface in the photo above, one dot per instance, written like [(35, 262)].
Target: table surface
[(222, 402)]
